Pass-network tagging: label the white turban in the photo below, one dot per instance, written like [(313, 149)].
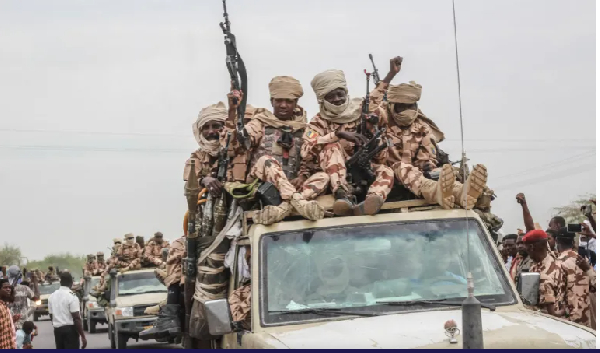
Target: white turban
[(328, 81), (214, 112), (285, 87)]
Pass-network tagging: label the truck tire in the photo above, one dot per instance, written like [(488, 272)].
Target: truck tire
[(122, 341), (92, 326), (113, 343)]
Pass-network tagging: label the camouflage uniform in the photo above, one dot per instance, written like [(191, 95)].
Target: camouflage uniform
[(153, 252), (553, 285), (173, 273), (100, 264), (322, 144), (206, 165), (129, 255), (90, 266), (578, 289)]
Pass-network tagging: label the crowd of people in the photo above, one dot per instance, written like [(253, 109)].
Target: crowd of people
[(567, 270)]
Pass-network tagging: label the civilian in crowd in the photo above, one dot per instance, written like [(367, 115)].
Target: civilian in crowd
[(63, 307), (22, 292), (522, 262), (24, 335), (509, 245), (587, 242), (7, 328)]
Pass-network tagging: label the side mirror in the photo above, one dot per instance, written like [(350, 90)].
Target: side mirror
[(218, 317), (529, 287)]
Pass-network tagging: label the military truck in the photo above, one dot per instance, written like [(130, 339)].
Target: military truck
[(130, 294), (41, 305), (92, 313), (391, 280)]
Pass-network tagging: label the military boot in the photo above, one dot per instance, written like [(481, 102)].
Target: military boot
[(342, 205), (307, 209), (473, 187), (272, 214), (440, 191), (370, 206), (167, 323)]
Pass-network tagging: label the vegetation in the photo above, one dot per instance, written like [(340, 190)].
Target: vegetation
[(572, 212), (11, 255)]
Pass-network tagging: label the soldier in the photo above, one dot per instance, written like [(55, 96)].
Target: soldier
[(578, 282), (331, 139), (275, 144), (90, 266), (100, 264), (153, 251), (553, 285), (412, 154), (168, 320), (129, 254), (523, 261)]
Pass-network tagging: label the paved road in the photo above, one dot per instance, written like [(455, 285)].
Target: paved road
[(45, 339)]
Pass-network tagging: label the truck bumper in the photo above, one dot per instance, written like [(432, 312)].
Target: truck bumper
[(41, 310), (132, 327), (97, 315)]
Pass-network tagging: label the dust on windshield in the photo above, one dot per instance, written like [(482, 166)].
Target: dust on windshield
[(366, 265), (48, 288), (139, 283)]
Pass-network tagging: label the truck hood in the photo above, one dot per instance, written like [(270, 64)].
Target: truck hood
[(140, 299), (513, 329)]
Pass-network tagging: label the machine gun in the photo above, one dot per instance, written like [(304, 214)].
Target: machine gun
[(220, 211), (360, 174), (237, 75), (366, 117), (376, 77)]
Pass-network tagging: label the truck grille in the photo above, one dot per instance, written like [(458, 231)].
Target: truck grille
[(44, 301), (139, 310)]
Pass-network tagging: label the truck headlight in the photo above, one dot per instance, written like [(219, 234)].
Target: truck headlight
[(125, 312), (38, 302)]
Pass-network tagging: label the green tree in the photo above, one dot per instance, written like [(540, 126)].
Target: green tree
[(572, 212), (10, 255), (74, 263)]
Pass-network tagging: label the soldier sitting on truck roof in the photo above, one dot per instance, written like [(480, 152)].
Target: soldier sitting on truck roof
[(90, 265), (275, 141), (129, 254), (153, 252), (100, 264), (412, 153)]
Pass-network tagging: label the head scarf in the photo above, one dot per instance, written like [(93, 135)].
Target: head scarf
[(214, 112), (326, 82), (285, 87), (298, 122), (404, 93), (12, 273)]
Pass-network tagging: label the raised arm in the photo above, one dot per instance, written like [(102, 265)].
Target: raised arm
[(527, 219)]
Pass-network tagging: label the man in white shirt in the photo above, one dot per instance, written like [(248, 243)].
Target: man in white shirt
[(63, 307)]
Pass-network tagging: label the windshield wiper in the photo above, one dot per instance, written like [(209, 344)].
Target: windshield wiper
[(447, 302), (333, 311)]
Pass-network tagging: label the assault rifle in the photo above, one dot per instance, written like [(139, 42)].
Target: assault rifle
[(220, 212), (360, 173), (366, 117), (237, 75), (376, 77)]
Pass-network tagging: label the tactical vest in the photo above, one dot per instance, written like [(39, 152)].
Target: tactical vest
[(128, 251), (270, 147)]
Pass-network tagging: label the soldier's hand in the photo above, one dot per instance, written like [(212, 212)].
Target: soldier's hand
[(395, 65), (354, 137), (238, 95), (298, 182), (214, 186), (521, 199), (583, 263)]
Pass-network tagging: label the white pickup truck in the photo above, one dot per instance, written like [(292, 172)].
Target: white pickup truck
[(385, 281)]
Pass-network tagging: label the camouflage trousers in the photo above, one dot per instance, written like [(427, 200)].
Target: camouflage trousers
[(409, 176), (332, 160), (268, 169), (152, 260)]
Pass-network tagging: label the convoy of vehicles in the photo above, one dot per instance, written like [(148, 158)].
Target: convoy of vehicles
[(92, 313), (130, 294), (385, 281)]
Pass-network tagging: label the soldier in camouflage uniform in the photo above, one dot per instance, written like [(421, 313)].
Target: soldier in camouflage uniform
[(331, 138), (275, 151), (153, 250), (522, 262), (483, 208), (578, 282), (90, 265), (553, 283), (412, 154), (100, 264), (129, 254)]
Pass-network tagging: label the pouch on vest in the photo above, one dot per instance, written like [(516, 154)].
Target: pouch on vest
[(268, 194)]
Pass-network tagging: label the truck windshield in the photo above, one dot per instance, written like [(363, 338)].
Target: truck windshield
[(94, 281), (48, 288), (139, 283), (360, 268)]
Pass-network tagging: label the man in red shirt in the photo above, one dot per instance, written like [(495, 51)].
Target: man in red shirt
[(8, 338)]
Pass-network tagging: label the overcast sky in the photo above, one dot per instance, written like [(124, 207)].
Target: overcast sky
[(98, 98)]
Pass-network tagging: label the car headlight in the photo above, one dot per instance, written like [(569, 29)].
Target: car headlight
[(38, 302), (125, 312), (92, 305)]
